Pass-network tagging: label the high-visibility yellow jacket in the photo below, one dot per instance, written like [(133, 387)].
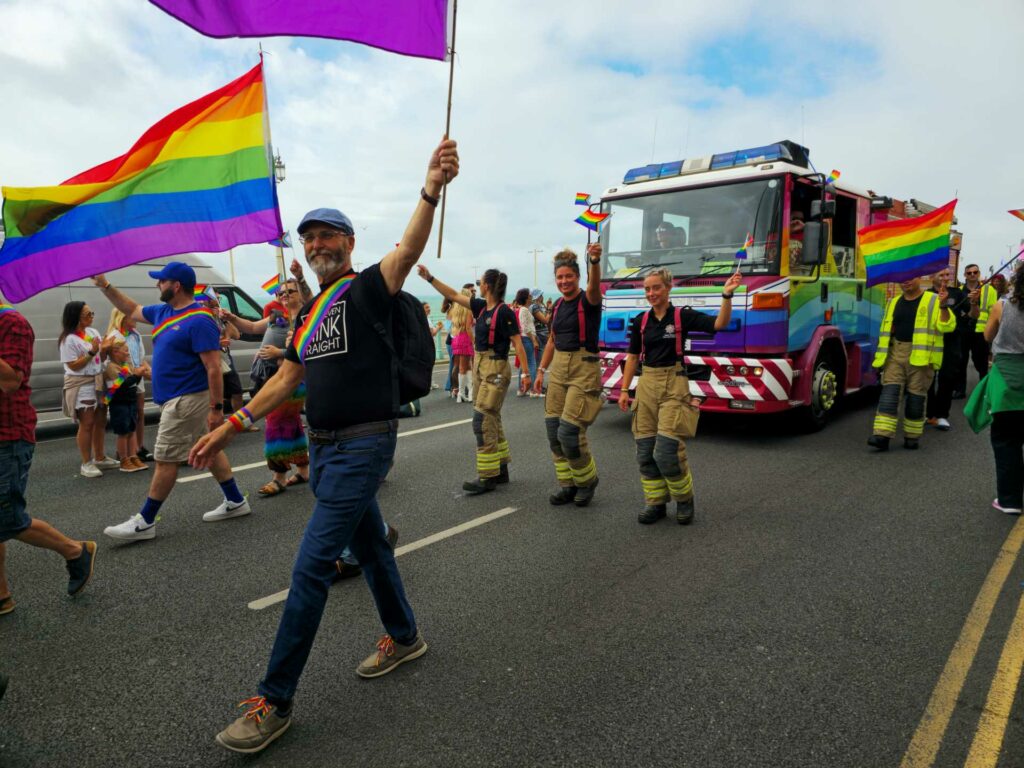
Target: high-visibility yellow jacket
[(986, 300), (926, 343)]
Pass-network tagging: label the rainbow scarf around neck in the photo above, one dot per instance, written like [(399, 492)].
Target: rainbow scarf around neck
[(115, 385), (317, 315), (189, 314)]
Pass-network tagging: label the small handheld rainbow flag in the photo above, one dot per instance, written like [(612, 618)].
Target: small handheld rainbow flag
[(592, 220), (272, 285), (582, 198), (1019, 213), (832, 177), (742, 252), (204, 292)]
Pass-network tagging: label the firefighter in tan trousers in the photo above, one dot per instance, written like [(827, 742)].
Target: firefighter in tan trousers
[(574, 381), (909, 353), (664, 415), (495, 332)]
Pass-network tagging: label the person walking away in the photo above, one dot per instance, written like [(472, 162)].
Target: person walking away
[(940, 396), (909, 352), (462, 347), (495, 331), (574, 389), (285, 442), (664, 415), (528, 331), (17, 443), (188, 387), (121, 397), (352, 413), (999, 398), (81, 354), (981, 298), (122, 328)]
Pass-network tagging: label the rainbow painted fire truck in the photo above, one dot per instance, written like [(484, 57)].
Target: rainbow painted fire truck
[(804, 327)]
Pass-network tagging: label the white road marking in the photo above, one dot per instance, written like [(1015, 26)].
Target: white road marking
[(277, 597), (254, 465)]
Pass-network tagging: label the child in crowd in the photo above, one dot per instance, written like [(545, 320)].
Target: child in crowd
[(121, 394)]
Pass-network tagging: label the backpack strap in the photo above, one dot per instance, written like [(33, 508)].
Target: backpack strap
[(385, 336)]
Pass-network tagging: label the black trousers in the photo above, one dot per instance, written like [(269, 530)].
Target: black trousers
[(1008, 447), (973, 347), (940, 397)]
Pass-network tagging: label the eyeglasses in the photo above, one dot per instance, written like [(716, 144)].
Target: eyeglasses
[(287, 291), (325, 235)]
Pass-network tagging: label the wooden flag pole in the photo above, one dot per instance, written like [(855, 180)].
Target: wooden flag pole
[(448, 125)]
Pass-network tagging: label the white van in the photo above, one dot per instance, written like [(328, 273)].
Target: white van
[(44, 311)]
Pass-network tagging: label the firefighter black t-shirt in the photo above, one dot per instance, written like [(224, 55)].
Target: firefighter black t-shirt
[(348, 366), (566, 324), (505, 328), (903, 317), (659, 343)]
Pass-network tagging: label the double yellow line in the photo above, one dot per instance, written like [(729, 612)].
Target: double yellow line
[(988, 738)]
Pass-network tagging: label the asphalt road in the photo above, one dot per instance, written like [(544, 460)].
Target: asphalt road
[(805, 619)]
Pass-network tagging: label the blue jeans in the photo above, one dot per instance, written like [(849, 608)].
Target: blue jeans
[(344, 478), (451, 364), (531, 358)]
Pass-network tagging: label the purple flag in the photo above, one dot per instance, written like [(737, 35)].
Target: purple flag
[(409, 27)]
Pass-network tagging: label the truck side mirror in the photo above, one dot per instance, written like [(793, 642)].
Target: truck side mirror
[(816, 237), (823, 209)]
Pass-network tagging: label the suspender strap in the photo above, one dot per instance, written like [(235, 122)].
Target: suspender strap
[(643, 329), (579, 318), (678, 314), (494, 325)]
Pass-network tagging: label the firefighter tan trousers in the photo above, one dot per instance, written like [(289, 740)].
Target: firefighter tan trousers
[(900, 378), (663, 417), (572, 404), (491, 378)]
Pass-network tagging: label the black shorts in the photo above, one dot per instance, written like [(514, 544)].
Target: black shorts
[(122, 417), (232, 384)]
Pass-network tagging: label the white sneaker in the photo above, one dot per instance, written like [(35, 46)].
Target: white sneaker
[(90, 470), (135, 528), (1007, 510), (943, 424), (227, 510), (107, 463)]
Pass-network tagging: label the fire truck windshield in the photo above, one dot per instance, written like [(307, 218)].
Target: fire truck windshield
[(695, 231)]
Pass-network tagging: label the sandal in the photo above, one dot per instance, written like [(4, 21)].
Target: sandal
[(272, 488), (6, 605), (296, 480)]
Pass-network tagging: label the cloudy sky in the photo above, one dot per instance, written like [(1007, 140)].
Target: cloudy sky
[(913, 99)]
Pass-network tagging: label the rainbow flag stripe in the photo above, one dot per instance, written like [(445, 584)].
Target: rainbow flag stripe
[(272, 285), (1019, 213), (190, 314), (317, 314), (742, 252), (6, 308), (204, 293), (115, 385), (582, 198), (198, 180), (895, 251), (592, 219), (832, 177)]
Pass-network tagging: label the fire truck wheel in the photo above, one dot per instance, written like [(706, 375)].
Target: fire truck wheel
[(824, 394)]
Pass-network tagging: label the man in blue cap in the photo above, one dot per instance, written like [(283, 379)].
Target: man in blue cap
[(187, 385), (349, 375)]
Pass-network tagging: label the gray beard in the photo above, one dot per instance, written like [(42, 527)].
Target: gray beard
[(325, 265)]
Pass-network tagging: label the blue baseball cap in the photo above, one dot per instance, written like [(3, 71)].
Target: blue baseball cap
[(177, 270), (536, 293), (332, 217)]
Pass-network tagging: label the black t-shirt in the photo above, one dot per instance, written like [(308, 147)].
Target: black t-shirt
[(348, 367), (659, 343), (505, 328), (565, 325), (903, 318)]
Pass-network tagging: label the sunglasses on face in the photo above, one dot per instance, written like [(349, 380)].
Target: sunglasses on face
[(288, 291)]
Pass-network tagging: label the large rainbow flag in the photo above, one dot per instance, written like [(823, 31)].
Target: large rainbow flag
[(201, 179), (895, 251)]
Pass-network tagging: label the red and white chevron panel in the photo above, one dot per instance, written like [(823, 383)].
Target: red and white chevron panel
[(774, 383)]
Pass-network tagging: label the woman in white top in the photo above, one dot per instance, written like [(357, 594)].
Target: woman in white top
[(81, 353), (122, 328), (528, 330)]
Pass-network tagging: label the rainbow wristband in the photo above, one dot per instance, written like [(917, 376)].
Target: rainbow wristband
[(241, 419)]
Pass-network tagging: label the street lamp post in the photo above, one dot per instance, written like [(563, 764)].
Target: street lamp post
[(279, 174), (535, 251)]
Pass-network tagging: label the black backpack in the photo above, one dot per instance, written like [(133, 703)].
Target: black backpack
[(411, 347)]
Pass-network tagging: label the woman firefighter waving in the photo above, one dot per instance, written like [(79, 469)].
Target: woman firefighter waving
[(663, 413), (495, 332), (574, 380)]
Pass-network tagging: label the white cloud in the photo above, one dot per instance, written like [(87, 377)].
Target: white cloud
[(930, 111)]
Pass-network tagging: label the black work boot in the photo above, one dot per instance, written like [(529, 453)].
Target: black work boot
[(480, 485), (652, 513), (911, 443), (502, 478), (879, 443), (564, 496), (684, 512), (585, 494)]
